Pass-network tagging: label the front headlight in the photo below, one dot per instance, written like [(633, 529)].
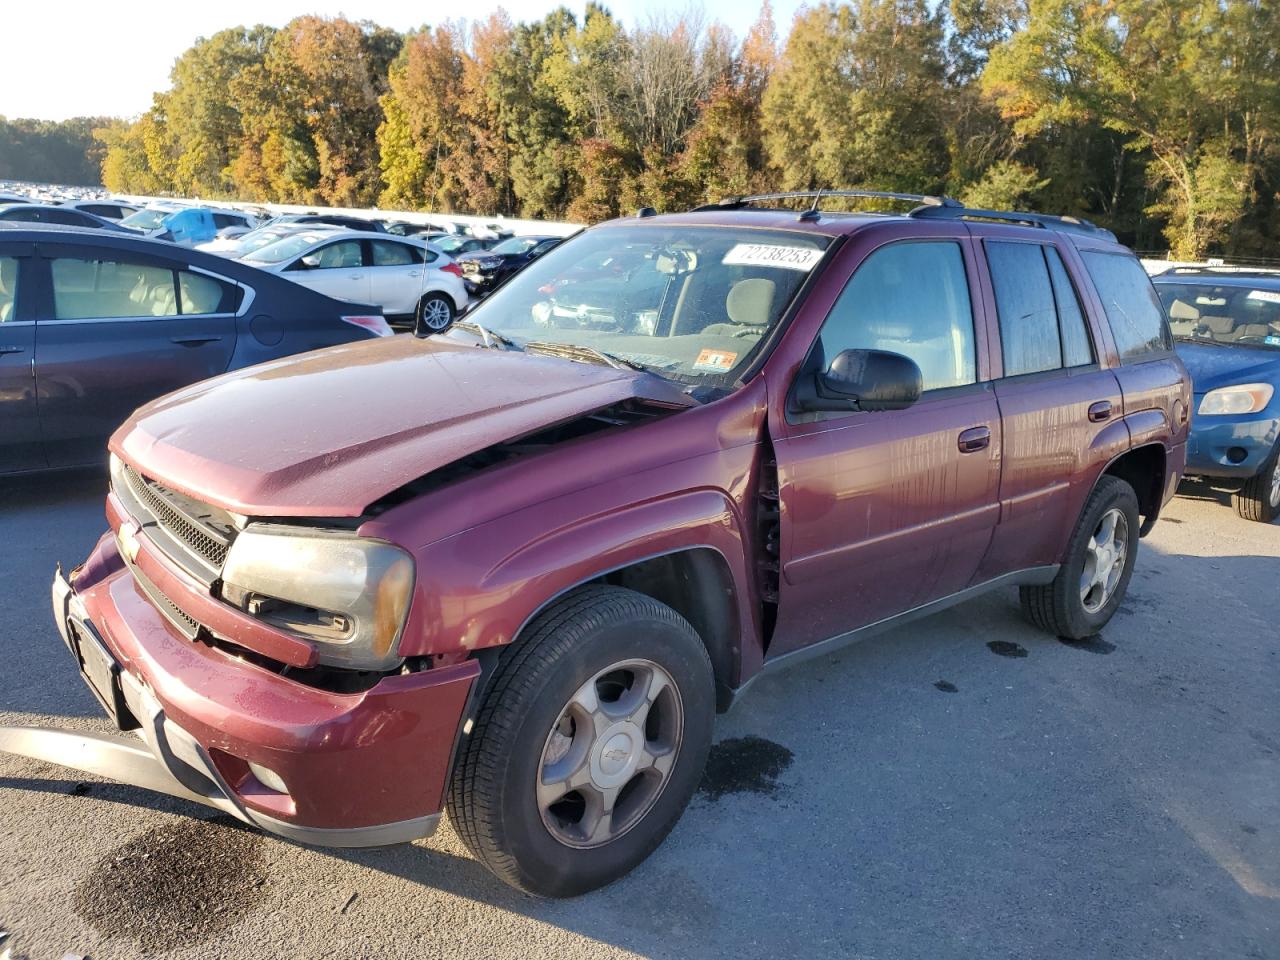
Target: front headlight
[(347, 594), (1243, 398)]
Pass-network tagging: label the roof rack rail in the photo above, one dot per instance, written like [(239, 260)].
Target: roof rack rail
[(736, 203), (1048, 221)]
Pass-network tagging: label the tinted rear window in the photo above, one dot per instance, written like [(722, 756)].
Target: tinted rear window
[(1133, 310)]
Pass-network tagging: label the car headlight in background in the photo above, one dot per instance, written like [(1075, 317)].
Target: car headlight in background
[(347, 594), (1242, 398)]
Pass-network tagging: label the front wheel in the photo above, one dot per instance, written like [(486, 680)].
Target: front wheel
[(1083, 597), (436, 312), (589, 743), (1259, 497)]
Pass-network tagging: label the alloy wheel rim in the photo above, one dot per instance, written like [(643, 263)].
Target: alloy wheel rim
[(1275, 483), (435, 314), (610, 753), (1104, 560)]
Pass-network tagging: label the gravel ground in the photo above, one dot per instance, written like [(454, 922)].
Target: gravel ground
[(963, 787)]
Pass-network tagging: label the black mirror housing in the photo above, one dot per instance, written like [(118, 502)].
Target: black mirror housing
[(867, 380)]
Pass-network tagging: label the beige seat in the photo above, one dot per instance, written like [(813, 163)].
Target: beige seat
[(8, 287), (1218, 326), (749, 306)]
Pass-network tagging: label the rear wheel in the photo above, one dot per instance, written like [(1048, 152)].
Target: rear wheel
[(436, 311), (1259, 497), (1090, 585), (588, 745)]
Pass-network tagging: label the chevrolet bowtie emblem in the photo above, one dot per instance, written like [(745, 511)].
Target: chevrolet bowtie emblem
[(128, 540)]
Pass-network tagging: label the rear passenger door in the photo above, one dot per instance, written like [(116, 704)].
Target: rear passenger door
[(395, 275), (19, 425), (1060, 406), (117, 329)]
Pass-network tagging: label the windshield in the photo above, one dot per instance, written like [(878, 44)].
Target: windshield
[(451, 243), (690, 303), (257, 239), (148, 219), (1232, 314), (516, 245), (283, 249)]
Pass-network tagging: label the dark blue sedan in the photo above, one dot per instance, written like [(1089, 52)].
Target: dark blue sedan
[(94, 324), (1226, 322)]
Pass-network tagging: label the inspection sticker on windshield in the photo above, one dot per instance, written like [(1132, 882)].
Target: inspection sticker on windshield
[(715, 361), (1270, 296), (772, 255)]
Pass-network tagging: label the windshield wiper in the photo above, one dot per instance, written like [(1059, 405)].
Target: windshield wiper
[(576, 351), (488, 336)]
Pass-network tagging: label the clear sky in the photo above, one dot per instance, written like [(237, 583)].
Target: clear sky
[(103, 58)]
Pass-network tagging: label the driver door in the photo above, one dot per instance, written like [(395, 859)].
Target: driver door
[(883, 512)]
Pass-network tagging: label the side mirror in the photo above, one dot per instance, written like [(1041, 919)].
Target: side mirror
[(867, 380)]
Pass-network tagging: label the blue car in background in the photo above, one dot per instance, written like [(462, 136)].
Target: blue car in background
[(1226, 323)]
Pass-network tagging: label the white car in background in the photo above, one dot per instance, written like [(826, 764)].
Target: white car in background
[(401, 274), (241, 246)]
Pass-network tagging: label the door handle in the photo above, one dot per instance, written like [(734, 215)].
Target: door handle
[(975, 439), (12, 349), (193, 341), (1100, 411)]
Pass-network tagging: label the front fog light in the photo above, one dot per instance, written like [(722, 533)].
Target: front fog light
[(347, 594), (268, 777)]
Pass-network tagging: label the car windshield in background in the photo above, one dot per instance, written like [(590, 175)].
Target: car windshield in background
[(515, 245), (690, 303), (451, 243), (284, 248), (148, 219), (1233, 314)]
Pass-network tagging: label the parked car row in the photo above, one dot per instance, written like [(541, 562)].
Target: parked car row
[(514, 565)]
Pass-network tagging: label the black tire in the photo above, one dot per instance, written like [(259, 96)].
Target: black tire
[(1058, 607), (1257, 498), (492, 801), (436, 305)]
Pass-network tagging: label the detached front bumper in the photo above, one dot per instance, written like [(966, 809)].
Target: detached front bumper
[(359, 770)]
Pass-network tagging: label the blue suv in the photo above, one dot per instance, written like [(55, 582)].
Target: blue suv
[(1226, 323)]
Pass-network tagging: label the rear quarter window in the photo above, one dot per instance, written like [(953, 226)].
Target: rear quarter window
[(1133, 310)]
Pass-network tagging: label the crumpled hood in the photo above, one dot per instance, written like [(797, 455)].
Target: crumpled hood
[(327, 433), (1213, 365)]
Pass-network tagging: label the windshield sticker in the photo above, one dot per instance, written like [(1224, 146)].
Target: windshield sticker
[(715, 361), (1270, 296), (771, 255)]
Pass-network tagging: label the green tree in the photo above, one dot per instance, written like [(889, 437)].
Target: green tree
[(857, 100)]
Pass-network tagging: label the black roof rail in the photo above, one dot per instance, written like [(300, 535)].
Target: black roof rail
[(1048, 221), (736, 203)]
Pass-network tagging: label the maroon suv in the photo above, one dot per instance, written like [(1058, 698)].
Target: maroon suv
[(516, 568)]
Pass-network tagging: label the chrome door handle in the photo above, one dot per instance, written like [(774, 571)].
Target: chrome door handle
[(975, 439), (1100, 411)]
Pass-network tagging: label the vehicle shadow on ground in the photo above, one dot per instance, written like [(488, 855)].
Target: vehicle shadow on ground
[(1205, 491), (53, 490)]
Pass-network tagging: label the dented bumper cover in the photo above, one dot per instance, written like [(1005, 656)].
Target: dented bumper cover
[(360, 769)]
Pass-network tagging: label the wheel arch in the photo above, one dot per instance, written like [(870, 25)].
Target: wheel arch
[(696, 582), (1144, 469)]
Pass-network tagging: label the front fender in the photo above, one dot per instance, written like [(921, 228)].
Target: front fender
[(475, 590)]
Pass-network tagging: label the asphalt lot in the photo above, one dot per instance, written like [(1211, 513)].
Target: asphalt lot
[(919, 795)]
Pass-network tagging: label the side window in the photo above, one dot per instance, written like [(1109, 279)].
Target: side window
[(84, 288), (198, 294), (1077, 351), (70, 218), (1041, 324), (222, 220), (8, 287), (910, 298), (387, 253), (346, 253), (1133, 310)]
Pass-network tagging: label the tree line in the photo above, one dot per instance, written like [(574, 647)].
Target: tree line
[(45, 151), (1157, 118)]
